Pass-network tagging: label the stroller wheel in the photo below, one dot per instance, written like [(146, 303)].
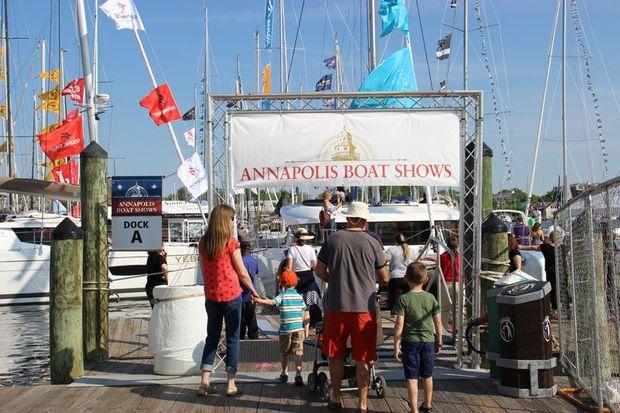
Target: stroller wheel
[(380, 386), (324, 391), (321, 379), (311, 382)]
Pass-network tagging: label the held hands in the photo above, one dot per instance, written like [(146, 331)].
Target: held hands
[(398, 353), (437, 347)]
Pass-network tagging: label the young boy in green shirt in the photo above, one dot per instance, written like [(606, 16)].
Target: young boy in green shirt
[(417, 335)]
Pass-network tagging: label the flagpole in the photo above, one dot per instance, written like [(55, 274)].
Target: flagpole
[(283, 58), (87, 68), (257, 40), (338, 77), (173, 135), (372, 64)]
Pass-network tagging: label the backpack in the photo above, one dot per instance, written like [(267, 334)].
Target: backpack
[(324, 218)]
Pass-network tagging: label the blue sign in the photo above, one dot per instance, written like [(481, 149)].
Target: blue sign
[(268, 23), (136, 187)]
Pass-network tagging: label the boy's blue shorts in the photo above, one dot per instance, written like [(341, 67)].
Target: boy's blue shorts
[(418, 359)]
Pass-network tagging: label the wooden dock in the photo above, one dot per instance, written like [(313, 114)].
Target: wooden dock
[(129, 356)]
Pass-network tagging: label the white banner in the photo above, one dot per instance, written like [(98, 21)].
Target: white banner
[(361, 148), (192, 174), (190, 137)]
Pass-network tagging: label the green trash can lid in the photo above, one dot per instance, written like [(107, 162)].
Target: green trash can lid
[(524, 292)]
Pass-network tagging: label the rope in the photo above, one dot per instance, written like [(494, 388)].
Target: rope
[(580, 35), (290, 67), (493, 262), (183, 297), (428, 65), (496, 111)]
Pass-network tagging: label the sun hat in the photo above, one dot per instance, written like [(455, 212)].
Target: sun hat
[(358, 210), (303, 234)]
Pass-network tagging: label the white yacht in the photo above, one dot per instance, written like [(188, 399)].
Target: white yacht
[(25, 252)]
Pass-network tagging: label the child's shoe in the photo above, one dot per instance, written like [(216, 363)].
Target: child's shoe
[(299, 381), (283, 378)]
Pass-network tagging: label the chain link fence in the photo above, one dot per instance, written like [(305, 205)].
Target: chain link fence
[(587, 237)]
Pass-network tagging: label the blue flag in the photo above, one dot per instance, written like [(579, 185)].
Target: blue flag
[(393, 15), (394, 74), (324, 83), (330, 62), (268, 23)]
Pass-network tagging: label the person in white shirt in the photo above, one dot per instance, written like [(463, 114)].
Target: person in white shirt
[(301, 258), (401, 256)]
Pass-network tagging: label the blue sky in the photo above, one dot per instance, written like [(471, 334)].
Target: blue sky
[(174, 42)]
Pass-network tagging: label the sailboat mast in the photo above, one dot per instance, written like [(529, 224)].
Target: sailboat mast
[(61, 66), (9, 120), (283, 58), (96, 49), (207, 120), (565, 184), (88, 74), (339, 87), (465, 42), (372, 37), (257, 57)]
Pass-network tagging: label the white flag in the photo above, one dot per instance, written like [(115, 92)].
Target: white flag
[(124, 13), (190, 137), (192, 174)]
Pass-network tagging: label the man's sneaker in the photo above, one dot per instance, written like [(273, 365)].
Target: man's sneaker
[(299, 381), (424, 409), (283, 378)]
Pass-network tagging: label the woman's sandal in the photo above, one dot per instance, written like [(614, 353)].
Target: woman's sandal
[(236, 392), (205, 391)]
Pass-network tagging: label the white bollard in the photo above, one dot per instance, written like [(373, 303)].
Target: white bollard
[(178, 329)]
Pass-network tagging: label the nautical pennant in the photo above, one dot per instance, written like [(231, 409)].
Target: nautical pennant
[(393, 16), (3, 146), (64, 141), (190, 114), (2, 110), (453, 4), (443, 47), (50, 100), (161, 105), (324, 83), (267, 78), (75, 90), (53, 75), (330, 62), (2, 74), (124, 14), (190, 137), (268, 23)]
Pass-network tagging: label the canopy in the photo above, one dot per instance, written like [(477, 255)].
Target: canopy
[(38, 187)]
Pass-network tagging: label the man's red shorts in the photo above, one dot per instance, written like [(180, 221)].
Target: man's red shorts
[(361, 327)]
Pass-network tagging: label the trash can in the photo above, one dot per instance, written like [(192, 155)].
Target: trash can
[(177, 329), (525, 351), (498, 286)]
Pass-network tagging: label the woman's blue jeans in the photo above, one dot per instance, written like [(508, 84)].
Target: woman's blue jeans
[(218, 312)]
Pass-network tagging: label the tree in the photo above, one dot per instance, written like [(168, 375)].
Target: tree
[(180, 195)]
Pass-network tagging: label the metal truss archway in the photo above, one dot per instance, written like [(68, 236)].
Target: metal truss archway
[(468, 104)]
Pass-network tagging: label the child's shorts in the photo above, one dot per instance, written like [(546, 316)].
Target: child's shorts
[(418, 359), (292, 343)]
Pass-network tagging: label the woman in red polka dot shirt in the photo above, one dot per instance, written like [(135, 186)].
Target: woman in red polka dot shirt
[(222, 271)]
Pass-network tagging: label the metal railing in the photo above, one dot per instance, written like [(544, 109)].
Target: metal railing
[(588, 290)]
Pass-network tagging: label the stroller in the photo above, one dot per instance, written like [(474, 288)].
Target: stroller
[(318, 381)]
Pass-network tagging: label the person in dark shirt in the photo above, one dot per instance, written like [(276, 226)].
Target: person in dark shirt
[(248, 309), (514, 255), (157, 270), (548, 251)]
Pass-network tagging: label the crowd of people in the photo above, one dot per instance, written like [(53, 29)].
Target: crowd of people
[(351, 262)]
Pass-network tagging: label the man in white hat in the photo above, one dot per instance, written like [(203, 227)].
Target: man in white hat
[(351, 261)]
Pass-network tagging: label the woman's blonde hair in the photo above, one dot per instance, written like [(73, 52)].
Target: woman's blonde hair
[(327, 195), (218, 232), (402, 241)]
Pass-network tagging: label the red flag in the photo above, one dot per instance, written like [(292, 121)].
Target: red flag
[(71, 115), (161, 105), (67, 173), (64, 141), (75, 90)]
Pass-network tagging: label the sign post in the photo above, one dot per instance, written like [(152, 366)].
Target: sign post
[(136, 213)]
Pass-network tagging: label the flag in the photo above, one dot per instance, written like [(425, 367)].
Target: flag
[(64, 141), (2, 110), (443, 47), (268, 23), (329, 103), (190, 114), (393, 16), (2, 74), (393, 74), (50, 128), (267, 78), (324, 83), (53, 75), (3, 146), (192, 174), (124, 14), (443, 85), (68, 173), (50, 100), (73, 114), (161, 105), (75, 90), (50, 164), (1, 52), (190, 137), (453, 4), (330, 62)]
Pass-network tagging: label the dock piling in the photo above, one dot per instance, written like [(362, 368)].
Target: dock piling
[(66, 346), (94, 194)]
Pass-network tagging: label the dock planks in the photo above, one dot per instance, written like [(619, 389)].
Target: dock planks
[(129, 354)]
